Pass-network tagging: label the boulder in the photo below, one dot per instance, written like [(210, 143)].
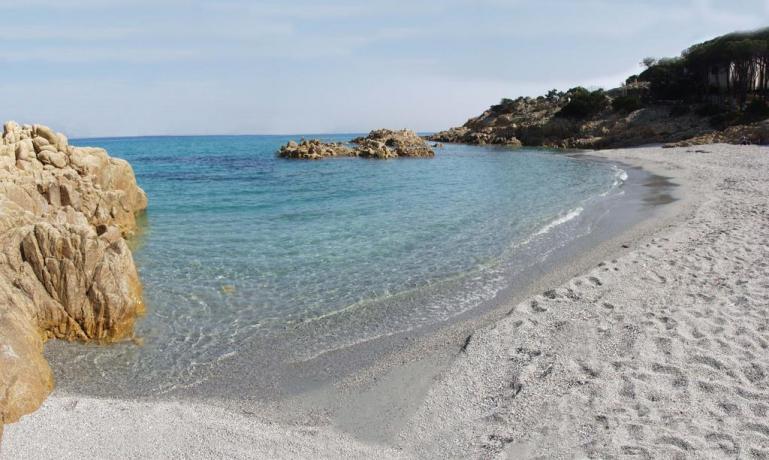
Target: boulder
[(39, 142), (46, 133), (65, 268), (25, 150), (92, 279), (50, 156), (11, 132)]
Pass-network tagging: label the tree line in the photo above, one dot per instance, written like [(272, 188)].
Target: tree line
[(731, 68)]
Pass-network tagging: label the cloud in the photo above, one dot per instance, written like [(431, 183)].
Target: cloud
[(142, 66), (28, 33), (80, 55), (80, 4)]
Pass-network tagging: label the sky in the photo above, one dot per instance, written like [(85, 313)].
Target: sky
[(95, 68)]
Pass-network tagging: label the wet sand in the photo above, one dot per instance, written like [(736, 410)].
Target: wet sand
[(657, 348)]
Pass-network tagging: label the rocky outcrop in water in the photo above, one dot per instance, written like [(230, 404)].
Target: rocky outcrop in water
[(65, 269), (379, 144), (314, 149), (385, 143)]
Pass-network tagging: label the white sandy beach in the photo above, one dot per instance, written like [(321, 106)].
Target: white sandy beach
[(659, 351)]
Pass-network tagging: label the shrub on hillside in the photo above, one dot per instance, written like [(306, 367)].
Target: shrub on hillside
[(757, 109), (725, 119), (626, 104), (583, 103), (554, 95), (506, 105), (710, 110), (679, 110)]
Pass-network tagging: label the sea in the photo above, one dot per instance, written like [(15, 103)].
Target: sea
[(250, 261)]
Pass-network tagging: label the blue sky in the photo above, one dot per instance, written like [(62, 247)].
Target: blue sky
[(108, 67)]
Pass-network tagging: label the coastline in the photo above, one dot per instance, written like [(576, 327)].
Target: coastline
[(474, 392), (267, 366), (655, 352)]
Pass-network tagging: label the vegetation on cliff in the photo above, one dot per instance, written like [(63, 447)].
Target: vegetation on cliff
[(584, 104), (731, 68), (714, 87)]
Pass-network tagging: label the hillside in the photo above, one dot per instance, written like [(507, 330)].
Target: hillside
[(715, 90)]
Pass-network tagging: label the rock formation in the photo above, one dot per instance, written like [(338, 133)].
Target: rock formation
[(379, 144), (65, 269), (314, 149), (756, 133), (385, 143), (535, 122)]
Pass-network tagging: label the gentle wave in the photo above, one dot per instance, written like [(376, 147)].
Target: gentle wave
[(573, 214), (620, 176)]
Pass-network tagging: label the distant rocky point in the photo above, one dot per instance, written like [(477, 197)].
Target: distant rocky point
[(379, 144), (65, 269), (715, 91), (540, 122)]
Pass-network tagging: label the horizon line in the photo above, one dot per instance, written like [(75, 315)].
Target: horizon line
[(134, 136)]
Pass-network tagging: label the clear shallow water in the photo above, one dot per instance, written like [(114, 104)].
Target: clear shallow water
[(239, 246)]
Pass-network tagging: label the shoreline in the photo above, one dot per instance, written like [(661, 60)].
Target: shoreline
[(656, 352), (261, 372), (424, 389), (370, 370), (396, 383)]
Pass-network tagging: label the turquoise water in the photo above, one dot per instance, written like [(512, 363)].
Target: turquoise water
[(238, 245)]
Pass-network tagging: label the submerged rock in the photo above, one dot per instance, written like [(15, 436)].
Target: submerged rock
[(379, 144), (65, 269)]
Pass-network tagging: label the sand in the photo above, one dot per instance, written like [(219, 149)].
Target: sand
[(658, 351)]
